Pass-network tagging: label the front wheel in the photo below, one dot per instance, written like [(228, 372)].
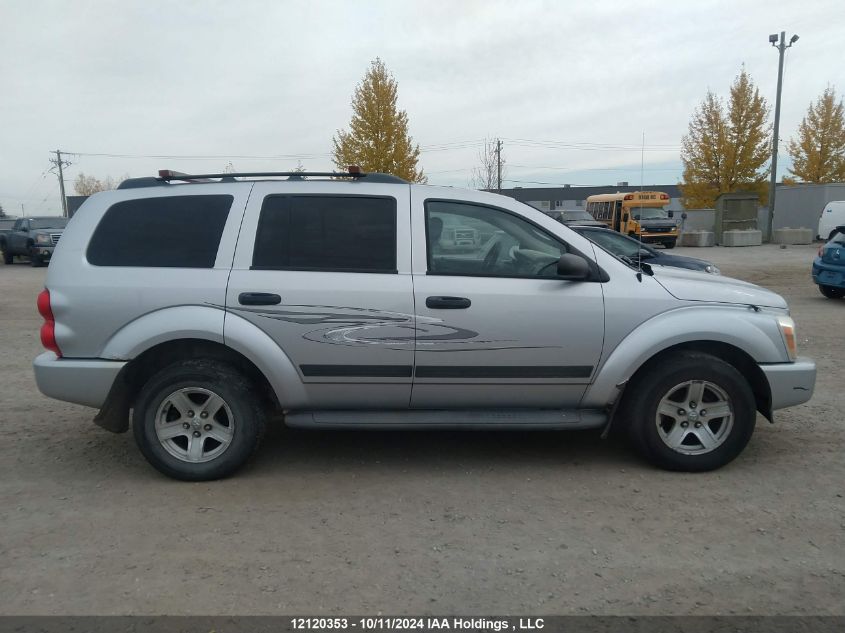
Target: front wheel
[(669, 244), (198, 420), (692, 412), (35, 260), (8, 258), (831, 292)]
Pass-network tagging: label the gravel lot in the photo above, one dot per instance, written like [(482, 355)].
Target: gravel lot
[(436, 522)]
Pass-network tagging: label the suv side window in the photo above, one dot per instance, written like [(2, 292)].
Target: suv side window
[(326, 233), (476, 240), (165, 232)]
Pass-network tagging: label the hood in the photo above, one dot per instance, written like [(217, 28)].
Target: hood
[(662, 223), (48, 231), (692, 285), (584, 223)]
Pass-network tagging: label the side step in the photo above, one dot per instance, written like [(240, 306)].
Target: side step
[(450, 419)]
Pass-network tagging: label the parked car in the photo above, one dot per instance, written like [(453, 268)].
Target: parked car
[(202, 308), (575, 217), (624, 246), (829, 265), (832, 217), (33, 237)]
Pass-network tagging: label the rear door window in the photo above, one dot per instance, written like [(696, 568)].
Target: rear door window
[(326, 233), (161, 232)]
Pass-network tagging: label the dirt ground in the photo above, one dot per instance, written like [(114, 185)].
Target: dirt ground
[(426, 522)]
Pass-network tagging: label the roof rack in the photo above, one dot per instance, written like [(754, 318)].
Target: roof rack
[(165, 176)]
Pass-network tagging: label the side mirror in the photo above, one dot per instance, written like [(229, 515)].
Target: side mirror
[(572, 268), (671, 214), (684, 215)]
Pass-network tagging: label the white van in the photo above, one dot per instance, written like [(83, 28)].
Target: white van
[(832, 216)]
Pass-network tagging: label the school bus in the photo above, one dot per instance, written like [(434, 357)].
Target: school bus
[(639, 214)]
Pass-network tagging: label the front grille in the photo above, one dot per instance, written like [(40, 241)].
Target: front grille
[(659, 229), (54, 237)]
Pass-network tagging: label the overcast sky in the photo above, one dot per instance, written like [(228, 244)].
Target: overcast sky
[(570, 87)]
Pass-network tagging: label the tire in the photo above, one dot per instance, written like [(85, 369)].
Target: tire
[(669, 245), (35, 260), (163, 406), (8, 258), (663, 439), (831, 292)]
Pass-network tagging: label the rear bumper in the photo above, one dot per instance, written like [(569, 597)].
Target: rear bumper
[(790, 383), (81, 381), (826, 274)]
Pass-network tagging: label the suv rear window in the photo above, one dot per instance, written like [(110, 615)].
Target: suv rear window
[(326, 233), (165, 232)]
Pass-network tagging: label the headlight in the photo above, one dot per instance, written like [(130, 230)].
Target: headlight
[(787, 330), (42, 239), (710, 268)]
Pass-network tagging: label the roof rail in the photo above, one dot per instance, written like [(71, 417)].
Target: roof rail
[(165, 176)]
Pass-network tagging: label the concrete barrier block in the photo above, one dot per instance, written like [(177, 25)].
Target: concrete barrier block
[(698, 238), (745, 237), (788, 235)]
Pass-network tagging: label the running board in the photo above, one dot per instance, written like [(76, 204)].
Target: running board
[(451, 419)]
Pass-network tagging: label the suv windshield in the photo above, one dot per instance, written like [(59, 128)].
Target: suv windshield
[(649, 213), (48, 223)]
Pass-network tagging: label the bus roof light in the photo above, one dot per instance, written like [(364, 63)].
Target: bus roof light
[(629, 196)]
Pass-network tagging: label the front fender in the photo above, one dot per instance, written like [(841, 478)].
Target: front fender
[(755, 333)]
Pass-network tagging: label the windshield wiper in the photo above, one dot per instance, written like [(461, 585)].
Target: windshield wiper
[(633, 263)]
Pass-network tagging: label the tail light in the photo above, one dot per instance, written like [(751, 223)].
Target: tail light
[(48, 328), (664, 196)]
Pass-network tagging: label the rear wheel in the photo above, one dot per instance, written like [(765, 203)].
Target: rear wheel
[(8, 258), (198, 420), (831, 292), (692, 412)]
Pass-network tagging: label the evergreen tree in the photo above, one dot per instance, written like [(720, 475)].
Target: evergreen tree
[(378, 137), (726, 148), (818, 153)]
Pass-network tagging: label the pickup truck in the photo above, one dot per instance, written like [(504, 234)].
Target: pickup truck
[(33, 237)]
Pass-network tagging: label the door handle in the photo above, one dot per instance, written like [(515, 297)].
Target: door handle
[(447, 303), (258, 299)]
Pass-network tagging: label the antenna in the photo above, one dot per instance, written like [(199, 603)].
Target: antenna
[(640, 231)]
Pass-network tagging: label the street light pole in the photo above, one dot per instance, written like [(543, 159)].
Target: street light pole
[(781, 45)]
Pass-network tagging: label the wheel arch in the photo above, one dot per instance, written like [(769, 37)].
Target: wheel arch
[(114, 415), (741, 337), (734, 356)]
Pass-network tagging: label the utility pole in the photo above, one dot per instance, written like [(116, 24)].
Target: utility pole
[(781, 45), (60, 164), (499, 165)]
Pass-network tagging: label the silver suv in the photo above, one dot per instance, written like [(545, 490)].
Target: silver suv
[(204, 305)]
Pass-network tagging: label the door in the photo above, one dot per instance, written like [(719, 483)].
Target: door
[(17, 239), (495, 327), (325, 272)]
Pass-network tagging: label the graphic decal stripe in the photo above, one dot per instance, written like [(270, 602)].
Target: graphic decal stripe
[(447, 371), (357, 371), (504, 371)]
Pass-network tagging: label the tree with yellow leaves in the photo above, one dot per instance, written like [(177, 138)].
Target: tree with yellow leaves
[(378, 137), (726, 148), (818, 153)]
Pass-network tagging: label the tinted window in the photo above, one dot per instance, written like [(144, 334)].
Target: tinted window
[(471, 239), (332, 233), (168, 232)]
